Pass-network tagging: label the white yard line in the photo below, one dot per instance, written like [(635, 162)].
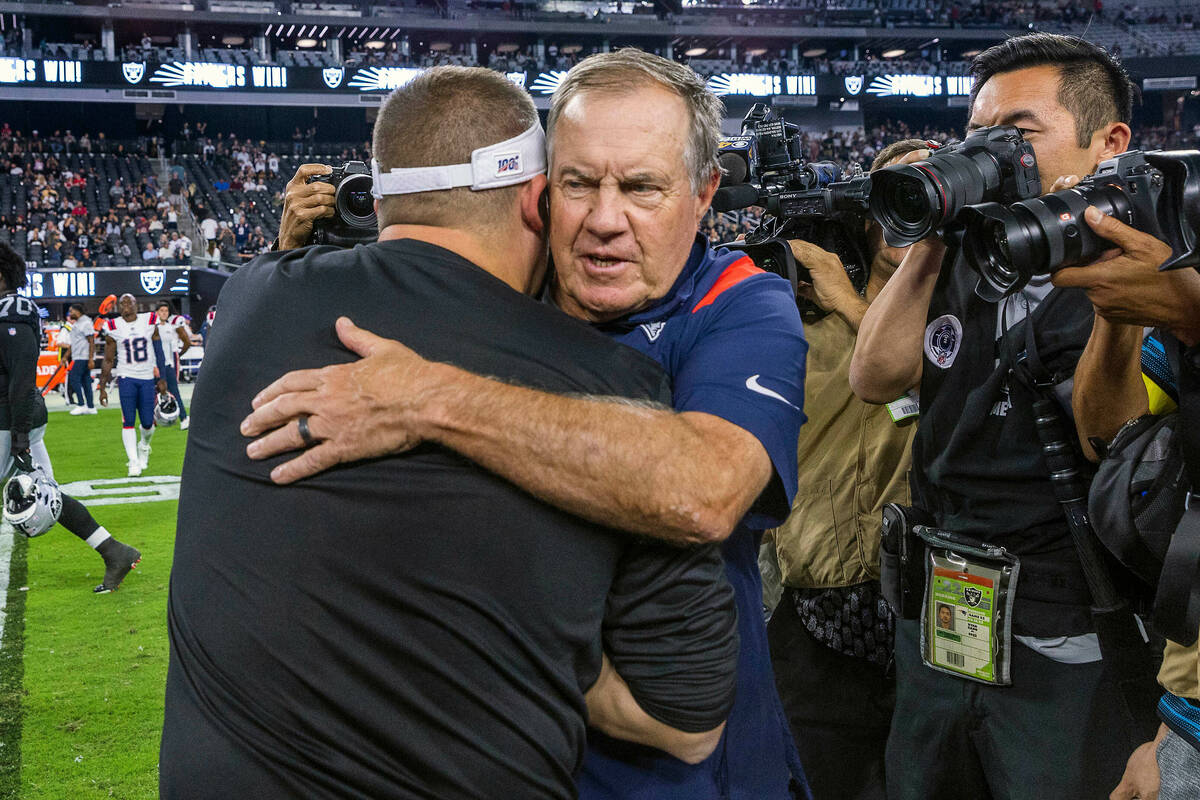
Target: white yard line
[(6, 548)]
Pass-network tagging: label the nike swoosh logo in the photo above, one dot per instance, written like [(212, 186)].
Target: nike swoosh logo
[(753, 385)]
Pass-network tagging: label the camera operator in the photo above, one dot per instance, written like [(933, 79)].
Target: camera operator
[(1060, 728), (1130, 294), (831, 634)]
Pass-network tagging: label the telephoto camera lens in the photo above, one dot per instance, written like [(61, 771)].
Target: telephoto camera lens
[(911, 201), (1009, 245)]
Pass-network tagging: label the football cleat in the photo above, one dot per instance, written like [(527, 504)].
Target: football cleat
[(135, 469), (166, 410), (77, 410), (117, 564), (143, 452), (32, 502), (183, 424)]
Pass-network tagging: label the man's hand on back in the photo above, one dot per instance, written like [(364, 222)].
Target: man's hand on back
[(351, 408), (303, 204)]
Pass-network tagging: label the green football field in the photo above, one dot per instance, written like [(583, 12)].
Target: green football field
[(81, 675)]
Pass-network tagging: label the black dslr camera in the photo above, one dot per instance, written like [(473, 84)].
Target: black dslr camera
[(354, 220), (911, 201), (1157, 193), (810, 201)]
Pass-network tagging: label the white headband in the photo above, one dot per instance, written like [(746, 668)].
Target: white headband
[(515, 160)]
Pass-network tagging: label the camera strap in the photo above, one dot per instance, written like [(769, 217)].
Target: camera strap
[(1122, 643), (506, 163)]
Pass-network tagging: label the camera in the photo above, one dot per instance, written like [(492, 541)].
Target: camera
[(803, 200), (1155, 192), (911, 201), (354, 220)]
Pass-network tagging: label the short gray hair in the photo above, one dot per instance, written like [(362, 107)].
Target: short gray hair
[(629, 68)]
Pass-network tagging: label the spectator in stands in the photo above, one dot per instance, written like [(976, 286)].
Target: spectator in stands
[(150, 254), (209, 228)]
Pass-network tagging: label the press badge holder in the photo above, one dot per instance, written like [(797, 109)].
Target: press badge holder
[(966, 612)]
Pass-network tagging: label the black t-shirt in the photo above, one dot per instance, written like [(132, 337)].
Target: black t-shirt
[(411, 626), (977, 460), (21, 405)]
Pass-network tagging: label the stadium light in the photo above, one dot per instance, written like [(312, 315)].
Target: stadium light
[(757, 51), (971, 53), (692, 52), (233, 41), (375, 44), (814, 52), (306, 43), (893, 53)]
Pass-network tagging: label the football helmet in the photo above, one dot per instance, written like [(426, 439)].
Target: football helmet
[(32, 502), (166, 410)]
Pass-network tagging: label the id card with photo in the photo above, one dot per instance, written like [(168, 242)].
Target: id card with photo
[(966, 610), (961, 613)]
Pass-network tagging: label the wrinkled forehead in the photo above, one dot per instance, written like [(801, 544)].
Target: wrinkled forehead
[(642, 127)]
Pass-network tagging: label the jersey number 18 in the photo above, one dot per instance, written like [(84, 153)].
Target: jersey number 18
[(137, 350)]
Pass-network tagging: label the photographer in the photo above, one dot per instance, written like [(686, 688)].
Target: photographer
[(1130, 294), (831, 635), (1049, 720)]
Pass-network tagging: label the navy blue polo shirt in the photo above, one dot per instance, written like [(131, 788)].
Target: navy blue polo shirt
[(730, 338)]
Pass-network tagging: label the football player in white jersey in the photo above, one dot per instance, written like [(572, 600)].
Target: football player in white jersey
[(176, 339), (132, 341)]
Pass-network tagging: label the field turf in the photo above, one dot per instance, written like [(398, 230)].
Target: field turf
[(81, 675)]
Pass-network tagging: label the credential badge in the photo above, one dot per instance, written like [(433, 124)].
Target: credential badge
[(943, 338)]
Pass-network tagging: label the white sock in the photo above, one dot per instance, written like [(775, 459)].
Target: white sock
[(99, 537), (129, 439), (145, 434)]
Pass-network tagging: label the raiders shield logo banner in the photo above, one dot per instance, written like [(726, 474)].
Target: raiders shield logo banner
[(854, 84), (333, 76), (153, 280), (133, 71)]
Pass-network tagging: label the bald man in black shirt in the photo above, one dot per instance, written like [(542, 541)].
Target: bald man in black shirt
[(414, 626)]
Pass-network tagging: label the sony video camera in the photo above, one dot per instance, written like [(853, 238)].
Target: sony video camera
[(1156, 192), (765, 167), (354, 220), (994, 164)]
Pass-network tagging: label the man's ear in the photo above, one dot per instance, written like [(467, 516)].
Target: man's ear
[(704, 198), (1113, 139), (534, 204)]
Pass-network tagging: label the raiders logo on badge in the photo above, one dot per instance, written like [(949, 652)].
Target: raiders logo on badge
[(972, 595), (942, 340)]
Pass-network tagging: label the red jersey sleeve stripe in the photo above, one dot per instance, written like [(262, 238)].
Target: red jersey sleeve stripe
[(734, 274)]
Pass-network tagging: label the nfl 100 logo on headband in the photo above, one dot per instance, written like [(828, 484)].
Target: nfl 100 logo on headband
[(506, 163)]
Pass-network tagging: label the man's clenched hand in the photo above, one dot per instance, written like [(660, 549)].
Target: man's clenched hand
[(304, 203), (369, 408)]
